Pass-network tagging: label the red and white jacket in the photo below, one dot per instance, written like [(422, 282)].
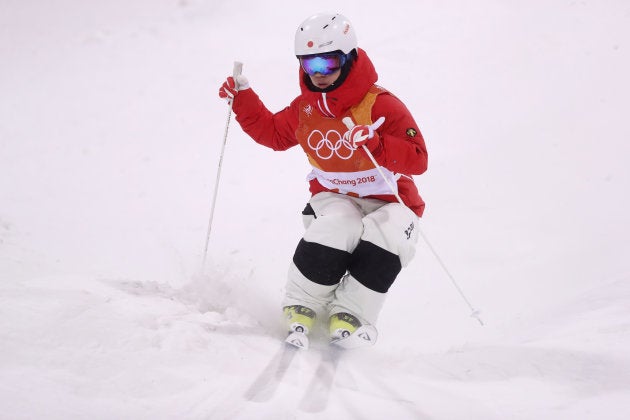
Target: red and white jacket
[(313, 120)]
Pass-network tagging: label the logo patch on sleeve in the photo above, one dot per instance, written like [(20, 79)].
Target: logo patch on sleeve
[(411, 132)]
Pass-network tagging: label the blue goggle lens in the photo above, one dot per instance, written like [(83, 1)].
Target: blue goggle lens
[(322, 64)]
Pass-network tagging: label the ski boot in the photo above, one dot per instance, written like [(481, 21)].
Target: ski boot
[(347, 331), (300, 321)]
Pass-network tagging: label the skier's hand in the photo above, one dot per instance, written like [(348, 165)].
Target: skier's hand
[(232, 86), (363, 135)]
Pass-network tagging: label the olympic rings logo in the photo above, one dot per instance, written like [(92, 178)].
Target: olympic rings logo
[(330, 144)]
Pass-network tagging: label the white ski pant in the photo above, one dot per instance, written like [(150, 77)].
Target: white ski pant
[(351, 252)]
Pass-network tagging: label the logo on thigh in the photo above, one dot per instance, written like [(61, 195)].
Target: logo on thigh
[(409, 230)]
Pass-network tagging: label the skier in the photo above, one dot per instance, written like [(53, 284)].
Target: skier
[(357, 235)]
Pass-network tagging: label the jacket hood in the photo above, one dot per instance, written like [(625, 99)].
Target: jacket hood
[(361, 77)]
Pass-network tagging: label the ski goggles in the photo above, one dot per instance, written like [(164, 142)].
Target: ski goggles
[(324, 64)]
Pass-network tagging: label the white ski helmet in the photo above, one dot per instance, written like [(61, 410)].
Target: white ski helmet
[(325, 32)]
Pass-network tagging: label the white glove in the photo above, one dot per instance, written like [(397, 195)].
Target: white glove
[(232, 86), (363, 135)]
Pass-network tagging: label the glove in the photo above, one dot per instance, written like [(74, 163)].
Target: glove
[(363, 135), (231, 87)]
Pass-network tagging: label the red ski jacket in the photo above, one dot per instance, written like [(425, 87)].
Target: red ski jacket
[(401, 153)]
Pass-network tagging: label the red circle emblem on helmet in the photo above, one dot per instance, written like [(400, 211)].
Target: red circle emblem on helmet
[(309, 44)]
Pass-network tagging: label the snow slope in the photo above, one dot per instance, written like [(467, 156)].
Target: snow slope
[(110, 131)]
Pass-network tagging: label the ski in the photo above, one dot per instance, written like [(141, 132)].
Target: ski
[(265, 385), (315, 398)]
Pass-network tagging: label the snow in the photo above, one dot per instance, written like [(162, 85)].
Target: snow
[(110, 133)]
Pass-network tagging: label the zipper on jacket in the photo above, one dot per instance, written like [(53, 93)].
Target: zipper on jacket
[(324, 110)]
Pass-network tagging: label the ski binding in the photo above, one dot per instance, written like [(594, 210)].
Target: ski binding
[(364, 336)]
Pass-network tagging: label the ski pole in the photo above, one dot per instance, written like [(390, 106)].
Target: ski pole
[(474, 312), (238, 68)]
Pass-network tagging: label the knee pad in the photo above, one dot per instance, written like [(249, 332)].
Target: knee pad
[(374, 267), (319, 263), (387, 244)]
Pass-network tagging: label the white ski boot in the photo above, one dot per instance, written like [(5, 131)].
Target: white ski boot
[(300, 321), (346, 331)]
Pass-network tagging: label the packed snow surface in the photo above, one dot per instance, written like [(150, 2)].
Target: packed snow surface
[(110, 136)]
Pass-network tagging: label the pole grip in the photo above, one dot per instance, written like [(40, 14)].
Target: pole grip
[(238, 69)]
